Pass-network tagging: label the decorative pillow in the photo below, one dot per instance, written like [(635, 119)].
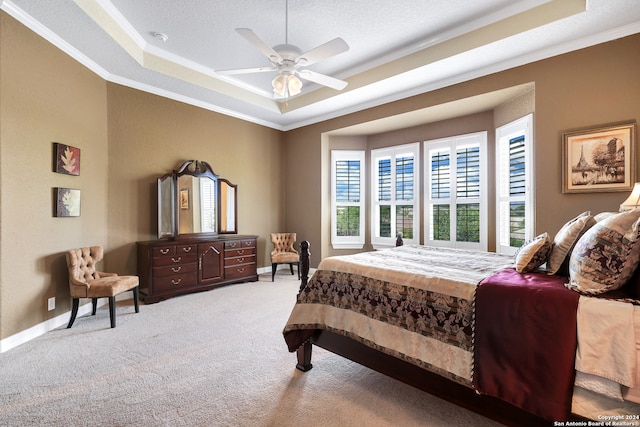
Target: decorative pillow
[(603, 215), (533, 253), (606, 256), (565, 240)]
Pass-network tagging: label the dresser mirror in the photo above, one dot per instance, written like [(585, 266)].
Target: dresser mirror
[(193, 201)]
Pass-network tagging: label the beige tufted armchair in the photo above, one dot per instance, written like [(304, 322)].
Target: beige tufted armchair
[(283, 252), (86, 282)]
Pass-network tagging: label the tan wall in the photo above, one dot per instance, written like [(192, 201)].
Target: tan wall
[(46, 96), (590, 87), (150, 136), (127, 139)]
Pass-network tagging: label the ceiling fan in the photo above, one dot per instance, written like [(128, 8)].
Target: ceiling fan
[(288, 60)]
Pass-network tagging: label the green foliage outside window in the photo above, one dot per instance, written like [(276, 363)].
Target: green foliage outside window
[(516, 224), (404, 221), (441, 223), (468, 223), (385, 221), (348, 221)]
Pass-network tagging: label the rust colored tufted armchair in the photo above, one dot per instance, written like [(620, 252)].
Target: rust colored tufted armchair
[(283, 252), (86, 282)]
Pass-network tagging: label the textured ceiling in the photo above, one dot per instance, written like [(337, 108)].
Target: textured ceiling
[(397, 48)]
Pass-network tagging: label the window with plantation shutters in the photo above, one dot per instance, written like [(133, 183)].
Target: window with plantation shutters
[(347, 183), (456, 187), (394, 196), (514, 213), (207, 208)]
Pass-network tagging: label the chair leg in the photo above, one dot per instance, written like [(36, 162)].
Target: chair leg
[(291, 268), (94, 305), (273, 270), (298, 270), (74, 311), (112, 311), (135, 299)]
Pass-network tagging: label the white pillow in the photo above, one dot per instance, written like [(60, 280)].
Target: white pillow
[(606, 256), (533, 253), (566, 238)]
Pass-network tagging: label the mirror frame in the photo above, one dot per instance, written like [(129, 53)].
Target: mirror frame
[(197, 169), (166, 227), (221, 228)]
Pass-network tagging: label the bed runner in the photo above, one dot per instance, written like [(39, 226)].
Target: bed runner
[(525, 341)]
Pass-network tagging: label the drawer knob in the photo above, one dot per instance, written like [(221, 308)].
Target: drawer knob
[(164, 251), (241, 252), (176, 269), (176, 282), (176, 259), (187, 249)]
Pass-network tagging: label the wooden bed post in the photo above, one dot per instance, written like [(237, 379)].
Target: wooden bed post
[(304, 357), (304, 351), (304, 263)]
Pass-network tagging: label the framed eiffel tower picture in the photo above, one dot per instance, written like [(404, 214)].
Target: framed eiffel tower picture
[(599, 159)]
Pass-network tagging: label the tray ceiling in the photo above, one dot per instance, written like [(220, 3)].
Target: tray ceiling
[(397, 48)]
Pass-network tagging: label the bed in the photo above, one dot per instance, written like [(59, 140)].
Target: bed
[(518, 339)]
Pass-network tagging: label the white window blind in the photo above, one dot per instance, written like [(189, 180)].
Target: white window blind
[(515, 222), (456, 200), (347, 183), (395, 207)]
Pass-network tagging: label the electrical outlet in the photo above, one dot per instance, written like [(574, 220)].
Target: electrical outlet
[(51, 303)]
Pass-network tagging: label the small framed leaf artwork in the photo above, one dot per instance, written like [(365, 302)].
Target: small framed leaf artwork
[(66, 202), (66, 159)]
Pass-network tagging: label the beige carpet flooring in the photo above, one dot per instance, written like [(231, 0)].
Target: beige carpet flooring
[(214, 358)]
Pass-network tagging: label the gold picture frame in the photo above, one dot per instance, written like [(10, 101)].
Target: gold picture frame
[(184, 198), (599, 159)]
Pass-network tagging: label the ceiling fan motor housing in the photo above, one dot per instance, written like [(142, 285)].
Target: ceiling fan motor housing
[(289, 53)]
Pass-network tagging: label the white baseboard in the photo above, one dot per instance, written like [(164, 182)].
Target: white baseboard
[(51, 324)]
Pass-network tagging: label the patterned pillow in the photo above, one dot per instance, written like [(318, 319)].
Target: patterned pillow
[(607, 255), (533, 253), (566, 239)]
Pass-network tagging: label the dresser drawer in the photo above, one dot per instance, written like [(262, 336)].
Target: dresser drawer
[(238, 244), (175, 282), (175, 269), (248, 259), (230, 253), (159, 251), (174, 260), (239, 271), (186, 249)]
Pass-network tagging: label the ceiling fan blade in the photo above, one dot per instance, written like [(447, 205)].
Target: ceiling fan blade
[(324, 51), (266, 50), (323, 79), (246, 70)]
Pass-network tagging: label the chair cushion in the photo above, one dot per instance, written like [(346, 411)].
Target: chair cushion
[(111, 286), (283, 257)]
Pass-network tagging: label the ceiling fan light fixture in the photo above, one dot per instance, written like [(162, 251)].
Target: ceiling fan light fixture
[(295, 85), (286, 84)]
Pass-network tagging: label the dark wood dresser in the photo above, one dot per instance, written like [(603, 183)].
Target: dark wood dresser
[(173, 267)]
